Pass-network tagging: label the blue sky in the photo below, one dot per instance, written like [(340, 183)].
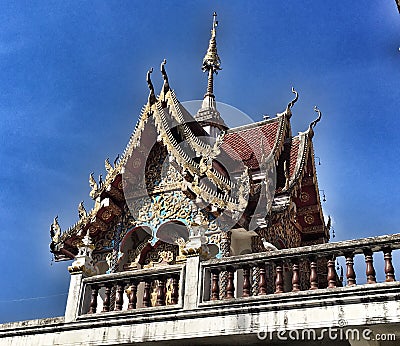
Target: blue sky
[(73, 82)]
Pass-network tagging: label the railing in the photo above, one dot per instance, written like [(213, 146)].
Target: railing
[(310, 268), (143, 288), (297, 269)]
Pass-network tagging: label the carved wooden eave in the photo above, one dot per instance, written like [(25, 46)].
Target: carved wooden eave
[(108, 197), (171, 110), (303, 176), (170, 124), (298, 170)]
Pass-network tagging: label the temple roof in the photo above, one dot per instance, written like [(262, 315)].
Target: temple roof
[(200, 158), (250, 142), (247, 144)]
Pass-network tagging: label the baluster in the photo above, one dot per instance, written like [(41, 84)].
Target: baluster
[(389, 269), (119, 297), (255, 278), (132, 295), (262, 283), (214, 284), (295, 278), (146, 294), (246, 281), (106, 302), (370, 271), (230, 287), (161, 292), (279, 278), (350, 273), (93, 299), (331, 277), (313, 275), (175, 290)]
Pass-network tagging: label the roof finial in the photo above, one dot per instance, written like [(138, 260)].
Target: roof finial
[(165, 77), (211, 61), (291, 103), (313, 123), (152, 96)]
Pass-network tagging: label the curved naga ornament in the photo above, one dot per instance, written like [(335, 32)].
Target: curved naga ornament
[(291, 103), (152, 97), (93, 185), (55, 232), (215, 149), (243, 188), (108, 166), (81, 210), (313, 123), (165, 77)]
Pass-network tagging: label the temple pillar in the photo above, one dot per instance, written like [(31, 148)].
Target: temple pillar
[(225, 248), (192, 269), (195, 249), (79, 269)]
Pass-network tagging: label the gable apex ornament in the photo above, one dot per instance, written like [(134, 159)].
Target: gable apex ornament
[(315, 122), (211, 61)]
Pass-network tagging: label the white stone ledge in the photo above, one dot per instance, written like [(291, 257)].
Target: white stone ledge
[(355, 246), (358, 306)]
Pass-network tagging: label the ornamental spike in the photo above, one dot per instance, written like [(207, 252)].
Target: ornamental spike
[(92, 182), (211, 61), (152, 96), (108, 166), (291, 103), (165, 77), (313, 123)]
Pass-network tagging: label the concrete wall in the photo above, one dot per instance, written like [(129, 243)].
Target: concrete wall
[(375, 307)]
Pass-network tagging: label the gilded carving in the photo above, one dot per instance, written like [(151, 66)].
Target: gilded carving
[(156, 209), (136, 162), (106, 215), (314, 229), (309, 219), (304, 197), (55, 231), (93, 185), (161, 255), (308, 210)]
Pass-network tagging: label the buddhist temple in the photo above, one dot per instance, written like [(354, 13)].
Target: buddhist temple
[(202, 234), (247, 189)]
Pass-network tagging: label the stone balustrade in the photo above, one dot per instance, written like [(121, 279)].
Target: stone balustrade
[(232, 299), (132, 290), (297, 269), (308, 268)]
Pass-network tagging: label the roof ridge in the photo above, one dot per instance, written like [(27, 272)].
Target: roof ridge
[(251, 125)]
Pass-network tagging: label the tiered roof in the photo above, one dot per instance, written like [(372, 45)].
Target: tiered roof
[(246, 148)]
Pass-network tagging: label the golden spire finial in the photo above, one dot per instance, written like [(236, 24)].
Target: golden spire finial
[(211, 61)]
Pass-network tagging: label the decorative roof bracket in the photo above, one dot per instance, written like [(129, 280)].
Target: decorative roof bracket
[(291, 103), (313, 123), (152, 97), (165, 77)]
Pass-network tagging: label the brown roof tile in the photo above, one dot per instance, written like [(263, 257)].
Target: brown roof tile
[(246, 144)]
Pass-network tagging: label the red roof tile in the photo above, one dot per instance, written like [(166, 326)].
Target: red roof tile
[(246, 144)]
